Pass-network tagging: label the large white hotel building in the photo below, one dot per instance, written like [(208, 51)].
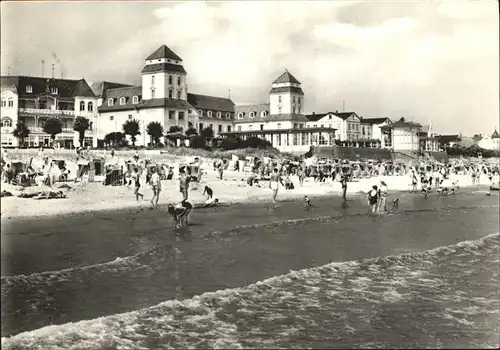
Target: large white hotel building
[(163, 97)]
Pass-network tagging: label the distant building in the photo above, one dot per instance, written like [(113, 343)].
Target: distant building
[(371, 129), (33, 100), (490, 142), (447, 141), (162, 97), (282, 121), (404, 136), (348, 124)]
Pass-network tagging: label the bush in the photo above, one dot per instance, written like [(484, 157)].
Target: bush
[(256, 142), (198, 142)]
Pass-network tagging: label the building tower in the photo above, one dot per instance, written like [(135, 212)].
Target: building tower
[(287, 99), (164, 76)]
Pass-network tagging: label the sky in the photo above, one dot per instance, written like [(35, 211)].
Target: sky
[(421, 60)]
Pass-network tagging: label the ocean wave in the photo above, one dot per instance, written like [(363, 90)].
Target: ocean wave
[(368, 302)]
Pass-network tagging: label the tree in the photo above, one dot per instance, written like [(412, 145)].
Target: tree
[(81, 125), (207, 133), (191, 131), (52, 126), (21, 132), (174, 129), (198, 141), (155, 130), (114, 138), (131, 128)]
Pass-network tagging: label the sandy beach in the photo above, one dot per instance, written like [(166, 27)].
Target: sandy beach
[(84, 196)]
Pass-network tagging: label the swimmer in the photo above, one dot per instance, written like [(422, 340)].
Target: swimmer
[(307, 203), (395, 204), (180, 213)]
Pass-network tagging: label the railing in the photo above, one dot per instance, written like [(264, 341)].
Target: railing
[(47, 111)]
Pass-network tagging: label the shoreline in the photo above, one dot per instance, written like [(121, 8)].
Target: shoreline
[(88, 198)]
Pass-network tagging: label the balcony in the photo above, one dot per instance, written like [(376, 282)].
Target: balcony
[(37, 130), (51, 112)]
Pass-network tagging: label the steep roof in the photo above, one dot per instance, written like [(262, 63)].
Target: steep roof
[(163, 67), (247, 109), (495, 135), (116, 94), (345, 115), (403, 124), (82, 89), (375, 121), (286, 77), (164, 52), (99, 88), (282, 89), (317, 116), (210, 103), (66, 88)]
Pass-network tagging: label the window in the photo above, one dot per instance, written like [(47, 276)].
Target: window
[(178, 80), (82, 106), (278, 140), (4, 103), (200, 112), (122, 100), (190, 111), (220, 128), (181, 115), (91, 125), (110, 102), (298, 100), (240, 115), (169, 80), (209, 113), (152, 80), (90, 107), (170, 94), (211, 126), (11, 102), (53, 90), (171, 114), (279, 125), (293, 99), (29, 88), (252, 115), (111, 117), (279, 99), (261, 126), (293, 110), (301, 125), (250, 127), (219, 115), (201, 126), (279, 110), (135, 100), (229, 128), (239, 127), (130, 117), (295, 125), (263, 114), (7, 122), (179, 94), (228, 115)]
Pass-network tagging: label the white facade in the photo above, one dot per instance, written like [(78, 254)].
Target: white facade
[(488, 142), (348, 129), (9, 116), (164, 85), (405, 139)]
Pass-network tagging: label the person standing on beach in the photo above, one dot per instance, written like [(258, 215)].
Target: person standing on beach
[(137, 184), (156, 186), (274, 182), (183, 183), (372, 197)]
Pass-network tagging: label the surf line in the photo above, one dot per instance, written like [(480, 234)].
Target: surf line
[(339, 216)]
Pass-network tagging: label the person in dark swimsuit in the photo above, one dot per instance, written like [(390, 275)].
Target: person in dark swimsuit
[(208, 192), (373, 196), (180, 213), (137, 184), (343, 182)]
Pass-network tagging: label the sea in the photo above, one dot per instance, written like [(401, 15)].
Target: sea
[(425, 275)]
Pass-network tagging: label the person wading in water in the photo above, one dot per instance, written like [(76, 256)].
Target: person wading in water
[(180, 213), (343, 182), (373, 196), (274, 182), (156, 185), (137, 184)]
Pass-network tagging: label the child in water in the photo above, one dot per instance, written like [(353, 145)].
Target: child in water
[(180, 213)]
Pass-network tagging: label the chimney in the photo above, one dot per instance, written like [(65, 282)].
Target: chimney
[(314, 113), (336, 111)]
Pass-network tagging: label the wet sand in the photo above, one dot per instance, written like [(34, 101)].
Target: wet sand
[(116, 261)]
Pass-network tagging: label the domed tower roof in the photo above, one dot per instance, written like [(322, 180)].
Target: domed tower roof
[(163, 52)]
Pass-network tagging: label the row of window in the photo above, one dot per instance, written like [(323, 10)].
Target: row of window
[(90, 106), (123, 100), (211, 126), (170, 80), (29, 89), (6, 122), (252, 115), (210, 114), (293, 99), (9, 102)]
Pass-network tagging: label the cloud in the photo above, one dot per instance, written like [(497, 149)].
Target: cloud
[(426, 60)]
